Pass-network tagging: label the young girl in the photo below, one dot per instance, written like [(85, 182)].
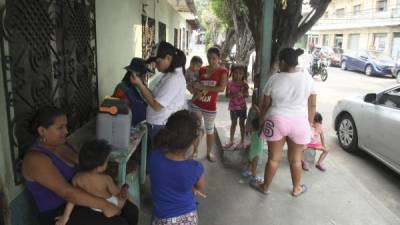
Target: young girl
[(175, 179), (237, 91), (93, 159), (317, 143), (256, 142)]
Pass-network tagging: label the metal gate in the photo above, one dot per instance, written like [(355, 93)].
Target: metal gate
[(48, 53)]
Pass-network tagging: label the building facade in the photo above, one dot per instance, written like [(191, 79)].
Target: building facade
[(360, 24)]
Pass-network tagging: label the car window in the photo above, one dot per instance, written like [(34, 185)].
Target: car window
[(390, 99), (380, 56), (363, 54), (338, 50)]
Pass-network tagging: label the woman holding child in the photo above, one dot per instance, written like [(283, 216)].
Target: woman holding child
[(212, 80), (48, 168)]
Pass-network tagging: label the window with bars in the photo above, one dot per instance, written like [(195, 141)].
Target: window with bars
[(339, 12), (381, 5), (357, 10)]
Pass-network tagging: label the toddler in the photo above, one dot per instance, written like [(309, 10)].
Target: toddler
[(317, 143), (93, 159)]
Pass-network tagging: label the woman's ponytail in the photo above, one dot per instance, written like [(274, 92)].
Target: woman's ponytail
[(178, 60)]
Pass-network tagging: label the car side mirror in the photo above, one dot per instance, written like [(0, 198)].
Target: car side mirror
[(364, 57), (370, 98)]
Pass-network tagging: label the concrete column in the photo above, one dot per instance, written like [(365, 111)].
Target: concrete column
[(268, 16), (389, 43)]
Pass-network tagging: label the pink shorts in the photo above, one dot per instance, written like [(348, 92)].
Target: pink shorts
[(296, 128)]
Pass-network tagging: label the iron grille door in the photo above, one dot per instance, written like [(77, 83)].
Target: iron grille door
[(48, 52)]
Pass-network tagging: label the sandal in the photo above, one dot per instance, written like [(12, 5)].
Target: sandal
[(240, 146), (229, 146), (304, 189), (257, 187), (246, 173), (257, 179), (321, 167), (305, 165)]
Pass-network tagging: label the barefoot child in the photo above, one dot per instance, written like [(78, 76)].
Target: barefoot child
[(175, 179), (93, 159), (237, 91), (317, 143)]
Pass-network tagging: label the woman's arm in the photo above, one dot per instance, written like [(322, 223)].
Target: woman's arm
[(148, 96), (265, 104), (312, 105), (39, 168)]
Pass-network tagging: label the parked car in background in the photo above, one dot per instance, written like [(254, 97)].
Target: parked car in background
[(369, 62), (371, 123)]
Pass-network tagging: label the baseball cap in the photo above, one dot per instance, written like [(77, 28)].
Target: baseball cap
[(160, 50), (137, 65)]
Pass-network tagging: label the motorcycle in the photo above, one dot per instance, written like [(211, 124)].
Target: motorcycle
[(318, 66)]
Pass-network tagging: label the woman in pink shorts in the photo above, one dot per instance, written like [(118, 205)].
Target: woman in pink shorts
[(288, 107)]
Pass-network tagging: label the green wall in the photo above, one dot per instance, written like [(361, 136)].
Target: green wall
[(119, 35)]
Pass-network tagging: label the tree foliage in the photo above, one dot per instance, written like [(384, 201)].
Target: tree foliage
[(289, 24)]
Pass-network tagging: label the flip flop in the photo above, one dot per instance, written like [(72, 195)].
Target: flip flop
[(304, 189), (256, 186), (228, 145)]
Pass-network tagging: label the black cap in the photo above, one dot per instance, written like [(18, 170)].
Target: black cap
[(137, 65), (160, 50)]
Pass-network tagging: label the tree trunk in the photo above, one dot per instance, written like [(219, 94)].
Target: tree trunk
[(244, 38), (227, 45)]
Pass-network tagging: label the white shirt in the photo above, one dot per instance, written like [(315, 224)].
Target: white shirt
[(289, 93), (170, 94)]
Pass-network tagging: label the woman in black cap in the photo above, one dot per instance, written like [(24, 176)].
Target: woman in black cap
[(131, 93), (168, 96)]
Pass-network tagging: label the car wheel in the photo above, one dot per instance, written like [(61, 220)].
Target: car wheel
[(347, 133), (343, 65), (368, 70)]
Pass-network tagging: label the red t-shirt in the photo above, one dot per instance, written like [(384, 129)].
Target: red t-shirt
[(208, 100)]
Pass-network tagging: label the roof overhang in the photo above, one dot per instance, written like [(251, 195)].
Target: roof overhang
[(186, 8)]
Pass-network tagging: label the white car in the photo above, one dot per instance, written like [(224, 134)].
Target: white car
[(371, 123)]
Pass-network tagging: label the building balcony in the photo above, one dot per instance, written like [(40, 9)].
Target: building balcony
[(364, 19)]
